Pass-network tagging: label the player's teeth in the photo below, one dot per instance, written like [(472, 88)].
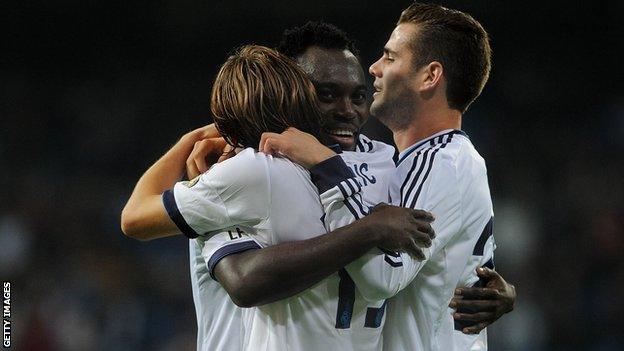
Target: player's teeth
[(342, 132)]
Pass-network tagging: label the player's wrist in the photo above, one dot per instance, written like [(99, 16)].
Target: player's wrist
[(324, 154), (192, 136), (372, 231)]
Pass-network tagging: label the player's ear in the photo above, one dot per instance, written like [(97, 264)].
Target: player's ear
[(430, 76)]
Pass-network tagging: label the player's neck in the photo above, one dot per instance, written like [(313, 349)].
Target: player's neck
[(426, 124)]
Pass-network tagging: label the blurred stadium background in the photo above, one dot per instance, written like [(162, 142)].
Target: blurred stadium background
[(94, 91)]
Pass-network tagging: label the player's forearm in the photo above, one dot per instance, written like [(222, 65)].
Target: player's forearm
[(165, 172), (377, 275), (144, 205), (259, 277)]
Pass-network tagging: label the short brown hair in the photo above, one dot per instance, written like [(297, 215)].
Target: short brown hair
[(458, 42), (260, 90)]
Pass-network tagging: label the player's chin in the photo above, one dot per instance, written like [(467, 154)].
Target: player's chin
[(347, 143), (376, 106)]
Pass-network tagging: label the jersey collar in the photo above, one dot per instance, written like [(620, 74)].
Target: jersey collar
[(363, 144), (422, 143), (335, 148)]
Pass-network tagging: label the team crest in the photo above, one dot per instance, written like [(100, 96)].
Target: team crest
[(192, 182)]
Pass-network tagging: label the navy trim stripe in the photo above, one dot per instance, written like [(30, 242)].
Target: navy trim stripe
[(426, 175), (353, 185), (368, 145), (391, 262), (412, 182), (351, 209), (171, 206), (357, 198), (343, 191), (483, 238), (356, 184), (409, 174), (388, 258), (390, 253), (356, 206), (374, 316), (346, 299), (364, 144), (420, 186), (229, 250), (414, 148), (350, 186)]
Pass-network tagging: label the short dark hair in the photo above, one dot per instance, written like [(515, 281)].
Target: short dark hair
[(260, 90), (458, 42), (297, 40)]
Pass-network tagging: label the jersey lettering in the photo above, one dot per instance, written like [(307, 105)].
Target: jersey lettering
[(238, 235), (361, 171)]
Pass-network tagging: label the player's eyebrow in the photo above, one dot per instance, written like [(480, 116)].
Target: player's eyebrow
[(388, 51)]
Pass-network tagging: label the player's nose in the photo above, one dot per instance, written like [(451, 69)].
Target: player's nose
[(345, 109), (374, 69)]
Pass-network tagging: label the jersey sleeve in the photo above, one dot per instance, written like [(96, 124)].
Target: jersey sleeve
[(383, 274), (482, 256), (339, 191), (228, 241), (377, 274), (233, 192)]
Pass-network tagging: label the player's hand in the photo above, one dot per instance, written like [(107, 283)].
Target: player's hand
[(483, 306), (206, 132), (299, 147), (207, 152), (403, 229)]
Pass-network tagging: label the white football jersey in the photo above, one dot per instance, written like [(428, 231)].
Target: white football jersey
[(219, 324), (426, 179), (445, 175), (253, 200), (354, 297)]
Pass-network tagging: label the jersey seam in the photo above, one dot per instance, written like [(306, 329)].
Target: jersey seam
[(227, 211)]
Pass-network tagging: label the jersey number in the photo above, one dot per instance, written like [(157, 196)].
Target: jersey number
[(346, 300)]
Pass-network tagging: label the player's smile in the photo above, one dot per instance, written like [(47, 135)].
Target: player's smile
[(344, 134), (341, 89), (377, 90)]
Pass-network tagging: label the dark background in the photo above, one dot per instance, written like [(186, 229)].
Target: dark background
[(94, 91)]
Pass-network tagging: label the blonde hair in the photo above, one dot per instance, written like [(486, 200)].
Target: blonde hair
[(260, 90)]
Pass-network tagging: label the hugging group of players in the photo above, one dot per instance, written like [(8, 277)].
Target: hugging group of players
[(304, 234)]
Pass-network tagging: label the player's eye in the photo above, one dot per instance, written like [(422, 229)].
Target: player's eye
[(326, 95), (358, 98)]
